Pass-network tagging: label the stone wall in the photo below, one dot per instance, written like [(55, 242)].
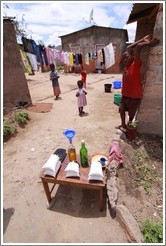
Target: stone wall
[(15, 87), (150, 115)]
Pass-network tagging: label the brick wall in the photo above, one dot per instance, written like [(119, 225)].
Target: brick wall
[(150, 115)]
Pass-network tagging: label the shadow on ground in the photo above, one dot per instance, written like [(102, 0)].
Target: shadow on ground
[(77, 202), (7, 214)]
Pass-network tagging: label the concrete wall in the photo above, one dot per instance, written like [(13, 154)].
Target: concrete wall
[(15, 88), (94, 38), (150, 114)]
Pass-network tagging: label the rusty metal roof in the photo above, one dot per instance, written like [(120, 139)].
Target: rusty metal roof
[(96, 27), (142, 10)]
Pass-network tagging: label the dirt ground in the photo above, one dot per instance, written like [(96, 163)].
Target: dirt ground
[(75, 216)]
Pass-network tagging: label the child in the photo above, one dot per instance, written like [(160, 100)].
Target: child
[(55, 83), (83, 77), (81, 94)]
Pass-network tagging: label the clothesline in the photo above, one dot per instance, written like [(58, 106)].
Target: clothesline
[(41, 55)]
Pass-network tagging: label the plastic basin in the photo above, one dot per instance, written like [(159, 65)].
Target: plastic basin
[(117, 84)]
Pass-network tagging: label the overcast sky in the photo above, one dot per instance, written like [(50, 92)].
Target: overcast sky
[(46, 20)]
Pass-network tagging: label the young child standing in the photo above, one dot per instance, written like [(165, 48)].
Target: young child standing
[(55, 83), (81, 94), (83, 77)]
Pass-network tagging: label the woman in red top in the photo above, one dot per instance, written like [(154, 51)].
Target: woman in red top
[(132, 88)]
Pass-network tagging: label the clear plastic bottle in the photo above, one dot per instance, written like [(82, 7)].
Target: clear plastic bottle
[(83, 155), (72, 152)]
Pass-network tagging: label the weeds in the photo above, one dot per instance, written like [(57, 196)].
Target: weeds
[(152, 231), (21, 118), (8, 129), (145, 173), (9, 123)]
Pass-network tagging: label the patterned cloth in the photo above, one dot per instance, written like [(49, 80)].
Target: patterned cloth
[(115, 153)]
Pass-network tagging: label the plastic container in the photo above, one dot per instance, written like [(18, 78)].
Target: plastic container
[(108, 87), (102, 161), (131, 133), (117, 84), (69, 133), (117, 99)]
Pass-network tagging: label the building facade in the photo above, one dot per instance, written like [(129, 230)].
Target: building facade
[(93, 39)]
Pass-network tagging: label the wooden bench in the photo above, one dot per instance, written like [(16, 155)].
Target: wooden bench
[(81, 182)]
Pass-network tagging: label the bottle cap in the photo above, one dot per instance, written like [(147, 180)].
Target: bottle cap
[(82, 141)]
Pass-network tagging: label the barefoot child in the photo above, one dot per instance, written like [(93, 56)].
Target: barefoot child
[(55, 83), (81, 95)]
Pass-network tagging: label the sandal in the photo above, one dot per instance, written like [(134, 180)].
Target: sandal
[(117, 127), (121, 128)]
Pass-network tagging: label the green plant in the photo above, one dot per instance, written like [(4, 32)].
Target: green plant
[(143, 170), (132, 124), (152, 231), (22, 117), (8, 129)]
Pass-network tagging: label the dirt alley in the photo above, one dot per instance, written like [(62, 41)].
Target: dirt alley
[(75, 216)]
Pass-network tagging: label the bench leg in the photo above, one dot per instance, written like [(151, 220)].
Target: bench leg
[(102, 198), (47, 191)]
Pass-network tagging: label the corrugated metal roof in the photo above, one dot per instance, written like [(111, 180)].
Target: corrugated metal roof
[(92, 27), (142, 10)]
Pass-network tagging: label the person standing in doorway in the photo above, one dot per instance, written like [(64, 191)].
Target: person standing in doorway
[(55, 82), (132, 87)]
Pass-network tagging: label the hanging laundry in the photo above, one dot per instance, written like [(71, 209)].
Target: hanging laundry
[(27, 45), (27, 66), (70, 57), (33, 61), (43, 55), (66, 59), (87, 58), (61, 56), (109, 56), (50, 55), (76, 59), (99, 56), (36, 50)]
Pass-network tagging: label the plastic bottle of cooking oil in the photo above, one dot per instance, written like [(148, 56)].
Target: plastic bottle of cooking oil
[(72, 152)]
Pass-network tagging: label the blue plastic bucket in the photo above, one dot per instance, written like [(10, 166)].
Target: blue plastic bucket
[(117, 84)]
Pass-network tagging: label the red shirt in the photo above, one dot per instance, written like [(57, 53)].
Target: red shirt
[(132, 86), (83, 76)]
